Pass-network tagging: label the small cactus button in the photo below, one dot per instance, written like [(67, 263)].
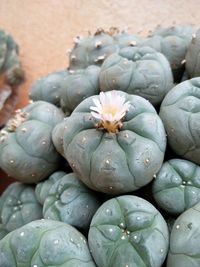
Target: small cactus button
[(114, 142)]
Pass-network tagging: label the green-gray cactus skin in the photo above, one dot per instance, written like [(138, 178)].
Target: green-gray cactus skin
[(57, 136), (70, 201), (44, 243), (42, 188), (3, 231), (128, 231), (185, 240), (49, 88), (173, 42), (20, 206), (138, 71), (177, 186), (80, 84), (5, 193), (120, 162), (91, 50), (180, 114), (26, 148), (124, 39), (192, 64), (10, 64)]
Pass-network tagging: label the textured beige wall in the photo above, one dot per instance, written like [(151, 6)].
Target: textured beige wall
[(44, 29)]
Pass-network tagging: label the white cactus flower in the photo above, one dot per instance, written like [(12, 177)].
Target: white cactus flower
[(110, 109)]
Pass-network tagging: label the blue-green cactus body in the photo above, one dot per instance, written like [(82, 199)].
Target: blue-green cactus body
[(192, 56), (177, 186), (3, 231), (70, 201), (115, 162), (57, 136), (138, 71), (49, 88), (180, 114), (124, 39), (44, 243), (128, 231), (20, 206), (184, 248), (42, 188), (10, 64), (11, 76), (173, 42), (80, 84), (26, 148), (92, 50)]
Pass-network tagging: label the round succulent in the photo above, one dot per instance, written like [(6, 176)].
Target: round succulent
[(10, 64), (180, 114), (11, 76), (177, 186), (184, 248), (80, 84), (70, 201), (138, 71), (114, 142), (92, 49), (20, 206), (128, 231), (192, 56), (44, 243), (26, 148), (49, 88), (42, 188), (173, 42)]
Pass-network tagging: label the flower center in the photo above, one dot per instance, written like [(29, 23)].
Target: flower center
[(109, 109)]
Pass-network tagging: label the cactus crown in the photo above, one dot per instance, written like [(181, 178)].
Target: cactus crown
[(16, 121), (110, 109)]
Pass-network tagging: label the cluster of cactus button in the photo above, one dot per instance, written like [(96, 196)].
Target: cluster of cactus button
[(11, 76), (106, 156)]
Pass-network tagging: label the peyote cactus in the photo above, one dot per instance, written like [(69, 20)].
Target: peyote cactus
[(10, 64), (184, 248), (70, 201), (44, 243), (42, 188), (138, 71), (67, 89), (192, 56), (20, 206), (180, 114), (26, 148), (128, 231), (80, 84), (49, 88), (118, 147), (177, 186), (92, 49), (173, 42), (11, 76)]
